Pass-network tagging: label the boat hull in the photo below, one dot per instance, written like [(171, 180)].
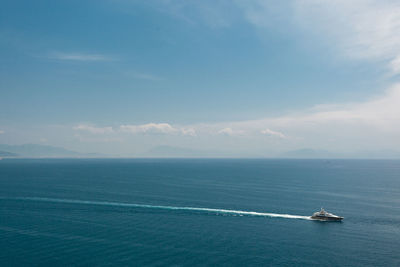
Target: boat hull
[(331, 219)]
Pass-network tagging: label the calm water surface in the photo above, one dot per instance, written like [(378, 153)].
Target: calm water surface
[(126, 212)]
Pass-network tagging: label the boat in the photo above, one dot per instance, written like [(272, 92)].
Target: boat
[(322, 215)]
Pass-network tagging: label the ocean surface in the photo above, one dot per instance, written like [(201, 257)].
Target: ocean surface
[(198, 212)]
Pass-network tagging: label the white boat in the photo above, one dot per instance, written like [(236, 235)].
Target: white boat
[(322, 215)]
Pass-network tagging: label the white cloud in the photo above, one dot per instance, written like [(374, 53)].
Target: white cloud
[(188, 131), (93, 129), (79, 57), (149, 128), (226, 131), (157, 128), (395, 65), (363, 29), (152, 128), (273, 133), (229, 131), (368, 29), (359, 29), (1, 132)]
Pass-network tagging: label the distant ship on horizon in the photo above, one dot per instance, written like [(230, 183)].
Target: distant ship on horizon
[(323, 215)]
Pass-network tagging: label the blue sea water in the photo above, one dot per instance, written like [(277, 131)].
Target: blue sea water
[(189, 212)]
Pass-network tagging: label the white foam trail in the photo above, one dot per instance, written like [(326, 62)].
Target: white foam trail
[(118, 204)]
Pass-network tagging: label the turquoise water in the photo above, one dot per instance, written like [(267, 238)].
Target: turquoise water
[(234, 212)]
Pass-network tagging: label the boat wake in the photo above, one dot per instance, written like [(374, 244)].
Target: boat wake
[(132, 205)]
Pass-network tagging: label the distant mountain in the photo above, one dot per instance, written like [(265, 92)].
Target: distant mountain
[(37, 151), (5, 154), (308, 153), (171, 151), (376, 154)]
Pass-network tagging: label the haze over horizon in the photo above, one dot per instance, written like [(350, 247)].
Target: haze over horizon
[(214, 78)]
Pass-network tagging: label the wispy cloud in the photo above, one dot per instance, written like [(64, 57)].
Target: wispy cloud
[(368, 29), (1, 132), (79, 57), (157, 128), (230, 132), (269, 132), (358, 29), (152, 128), (188, 131), (93, 129), (395, 65), (149, 128)]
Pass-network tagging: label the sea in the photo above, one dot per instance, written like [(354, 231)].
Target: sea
[(198, 212)]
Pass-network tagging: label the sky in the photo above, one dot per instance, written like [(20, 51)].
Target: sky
[(254, 78)]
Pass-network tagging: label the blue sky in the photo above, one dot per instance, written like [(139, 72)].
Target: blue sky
[(234, 78)]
